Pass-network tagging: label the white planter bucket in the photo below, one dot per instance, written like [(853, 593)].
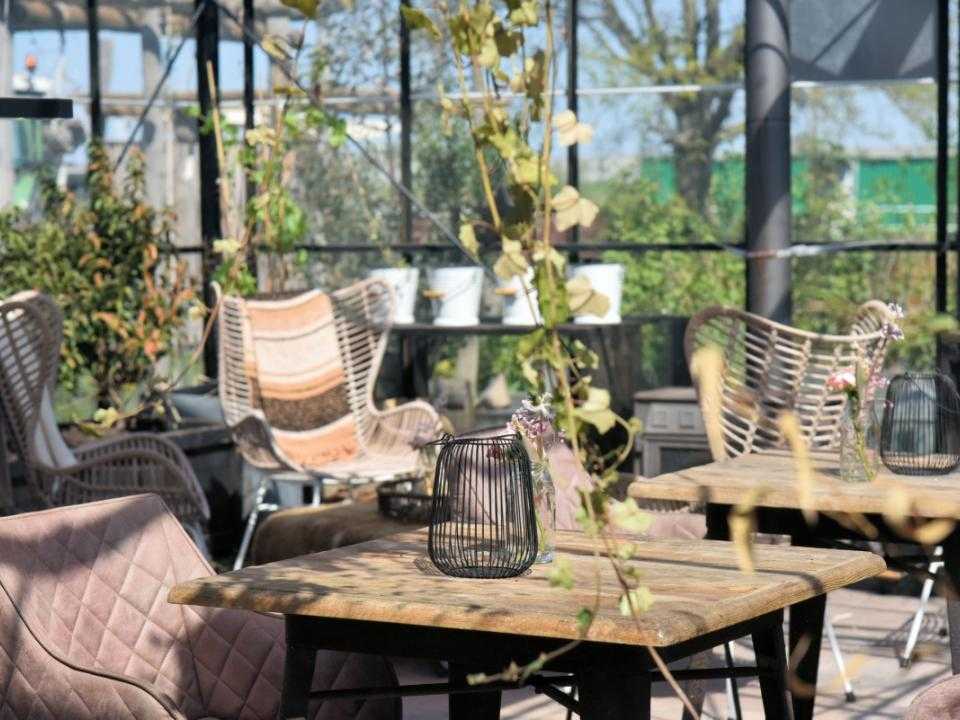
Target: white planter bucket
[(404, 282), (606, 278), (457, 291), (520, 301)]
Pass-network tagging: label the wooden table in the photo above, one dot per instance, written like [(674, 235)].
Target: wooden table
[(768, 480), (385, 597)]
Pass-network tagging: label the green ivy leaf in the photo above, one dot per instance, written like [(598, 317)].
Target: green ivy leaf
[(596, 410), (584, 620), (489, 55), (561, 574), (512, 261), (639, 599), (628, 516), (584, 300), (525, 13), (419, 20), (468, 238), (307, 7)]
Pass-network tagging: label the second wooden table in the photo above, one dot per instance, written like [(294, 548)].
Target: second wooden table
[(768, 481)]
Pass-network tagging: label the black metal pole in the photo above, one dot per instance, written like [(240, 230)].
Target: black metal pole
[(573, 151), (93, 53), (248, 83), (943, 158), (208, 42), (249, 107), (406, 126), (767, 62)]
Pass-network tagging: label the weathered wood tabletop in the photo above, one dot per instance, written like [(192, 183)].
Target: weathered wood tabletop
[(697, 588), (774, 474)]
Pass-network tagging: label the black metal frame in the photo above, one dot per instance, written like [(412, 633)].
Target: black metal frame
[(768, 14), (93, 50), (613, 680), (208, 51), (35, 108)]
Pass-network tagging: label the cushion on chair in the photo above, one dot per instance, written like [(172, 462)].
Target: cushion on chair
[(940, 701), (300, 382), (91, 581), (48, 443), (569, 477)]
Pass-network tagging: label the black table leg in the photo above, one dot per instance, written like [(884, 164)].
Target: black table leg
[(298, 671), (472, 706), (951, 567), (806, 627), (606, 695), (772, 665), (718, 527)]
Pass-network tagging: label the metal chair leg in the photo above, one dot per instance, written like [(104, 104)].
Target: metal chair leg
[(906, 657), (838, 658), (258, 507), (733, 692)]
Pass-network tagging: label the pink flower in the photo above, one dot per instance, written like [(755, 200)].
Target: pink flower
[(843, 380)]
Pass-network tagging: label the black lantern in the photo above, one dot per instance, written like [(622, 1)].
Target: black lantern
[(920, 433), (482, 520)]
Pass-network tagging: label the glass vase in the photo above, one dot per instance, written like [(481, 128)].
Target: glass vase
[(859, 445), (545, 506)]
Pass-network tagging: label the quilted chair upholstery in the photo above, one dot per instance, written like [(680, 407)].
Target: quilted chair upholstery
[(86, 632), (940, 701)]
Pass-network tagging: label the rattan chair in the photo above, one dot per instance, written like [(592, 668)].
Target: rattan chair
[(769, 368), (31, 331), (296, 384)]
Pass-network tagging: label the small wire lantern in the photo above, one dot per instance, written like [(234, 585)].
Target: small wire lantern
[(920, 432), (482, 521)]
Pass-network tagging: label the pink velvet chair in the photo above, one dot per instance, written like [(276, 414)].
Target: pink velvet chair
[(940, 701), (86, 632)]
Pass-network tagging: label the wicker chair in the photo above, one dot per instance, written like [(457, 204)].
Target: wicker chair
[(296, 385), (31, 331), (769, 368)]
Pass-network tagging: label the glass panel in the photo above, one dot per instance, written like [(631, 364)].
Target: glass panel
[(829, 288)]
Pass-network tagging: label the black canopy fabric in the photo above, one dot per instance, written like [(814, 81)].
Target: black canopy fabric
[(858, 40)]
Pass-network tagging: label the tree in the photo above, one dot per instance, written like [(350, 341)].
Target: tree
[(638, 37)]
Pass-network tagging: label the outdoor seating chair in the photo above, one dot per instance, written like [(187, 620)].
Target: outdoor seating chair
[(296, 384), (769, 368), (31, 331), (940, 701), (86, 632)]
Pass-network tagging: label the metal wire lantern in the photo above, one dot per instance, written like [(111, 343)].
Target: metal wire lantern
[(482, 521), (920, 432)]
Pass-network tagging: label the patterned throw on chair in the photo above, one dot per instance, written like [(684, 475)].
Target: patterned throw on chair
[(299, 380)]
